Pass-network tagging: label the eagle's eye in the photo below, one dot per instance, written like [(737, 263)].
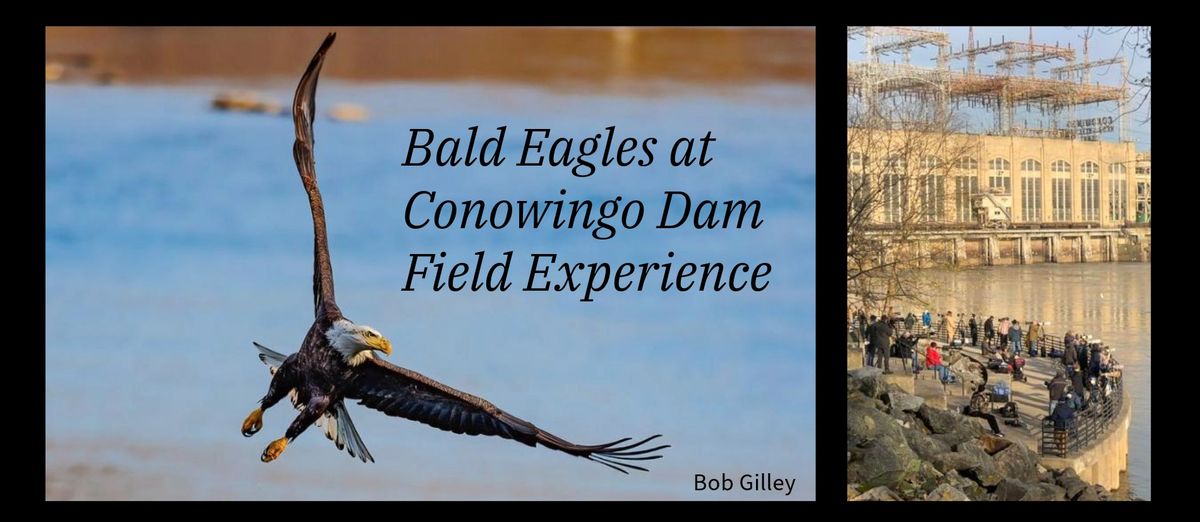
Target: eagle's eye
[(372, 334)]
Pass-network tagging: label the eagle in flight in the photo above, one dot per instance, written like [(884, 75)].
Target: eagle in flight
[(337, 360)]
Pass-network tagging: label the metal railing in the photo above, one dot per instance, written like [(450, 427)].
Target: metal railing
[(1088, 424), (1046, 343)]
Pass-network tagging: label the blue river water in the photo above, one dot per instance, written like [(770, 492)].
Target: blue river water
[(176, 235)]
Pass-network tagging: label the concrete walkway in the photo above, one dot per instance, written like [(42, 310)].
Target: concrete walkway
[(1032, 397)]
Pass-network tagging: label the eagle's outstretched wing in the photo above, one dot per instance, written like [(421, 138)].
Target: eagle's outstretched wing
[(400, 392), (303, 112), (335, 422)]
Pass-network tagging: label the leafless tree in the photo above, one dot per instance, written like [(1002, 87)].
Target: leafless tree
[(1135, 45), (903, 153)]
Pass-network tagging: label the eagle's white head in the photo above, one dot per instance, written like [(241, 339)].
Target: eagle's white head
[(356, 342)]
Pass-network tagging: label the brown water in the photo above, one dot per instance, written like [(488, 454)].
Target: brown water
[(573, 58), (1108, 300)]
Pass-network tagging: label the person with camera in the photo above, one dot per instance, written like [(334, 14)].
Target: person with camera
[(979, 406), (973, 325), (1003, 331), (1014, 333), (880, 334), (1035, 337), (989, 329), (1059, 386)]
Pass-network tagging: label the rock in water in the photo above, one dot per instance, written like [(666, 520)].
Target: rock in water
[(946, 492), (348, 112), (879, 493)]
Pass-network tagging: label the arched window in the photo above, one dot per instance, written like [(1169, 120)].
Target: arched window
[(1060, 166), (897, 163), (1089, 167), (968, 163), (856, 159), (1031, 165), (930, 162), (1116, 168), (997, 164)]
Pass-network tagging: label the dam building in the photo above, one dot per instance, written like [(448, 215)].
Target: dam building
[(1063, 191)]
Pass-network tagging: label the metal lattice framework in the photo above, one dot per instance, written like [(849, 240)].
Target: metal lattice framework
[(1067, 89)]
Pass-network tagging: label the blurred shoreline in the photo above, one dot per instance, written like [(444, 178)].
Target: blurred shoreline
[(574, 58)]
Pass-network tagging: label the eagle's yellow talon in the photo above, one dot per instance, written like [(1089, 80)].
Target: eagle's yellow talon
[(253, 422), (274, 450)]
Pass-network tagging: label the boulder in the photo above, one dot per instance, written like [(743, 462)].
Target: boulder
[(865, 423), (1092, 493), (852, 491), (987, 475), (1010, 490), (939, 421), (1052, 492), (900, 401), (1071, 482), (879, 493), (883, 462), (973, 490), (925, 446), (869, 380), (946, 492), (957, 461), (1016, 461)]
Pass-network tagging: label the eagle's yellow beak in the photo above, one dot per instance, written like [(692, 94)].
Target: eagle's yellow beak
[(381, 344)]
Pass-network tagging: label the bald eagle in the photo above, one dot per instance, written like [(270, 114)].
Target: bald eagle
[(337, 360)]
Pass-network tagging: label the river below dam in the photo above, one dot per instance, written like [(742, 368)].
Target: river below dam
[(1107, 300)]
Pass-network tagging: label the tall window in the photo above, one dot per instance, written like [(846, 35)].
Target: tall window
[(1031, 198), (1116, 168), (1060, 166), (999, 175), (1089, 167), (1060, 199), (968, 163), (964, 188), (932, 195), (1116, 199), (1031, 190), (895, 186), (1089, 194), (895, 198)]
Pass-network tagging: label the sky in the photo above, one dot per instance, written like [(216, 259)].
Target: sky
[(1100, 46)]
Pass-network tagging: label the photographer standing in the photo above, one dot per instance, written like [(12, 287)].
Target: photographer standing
[(1058, 388), (973, 325), (989, 330), (880, 334)]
